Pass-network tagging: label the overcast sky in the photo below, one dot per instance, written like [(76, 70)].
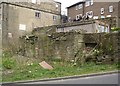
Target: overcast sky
[(66, 3)]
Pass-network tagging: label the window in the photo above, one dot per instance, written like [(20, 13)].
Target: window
[(110, 9), (102, 17), (91, 2), (108, 16), (95, 17), (10, 35), (102, 10), (37, 14), (87, 3), (77, 17), (90, 14), (80, 6), (69, 19), (54, 18), (57, 7), (33, 1), (76, 7)]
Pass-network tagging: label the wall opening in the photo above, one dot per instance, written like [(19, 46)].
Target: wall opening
[(91, 45)]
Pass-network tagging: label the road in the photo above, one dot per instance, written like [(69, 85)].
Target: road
[(101, 79)]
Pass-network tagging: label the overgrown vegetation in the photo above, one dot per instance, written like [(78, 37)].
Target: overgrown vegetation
[(115, 29), (30, 69), (66, 46), (66, 52)]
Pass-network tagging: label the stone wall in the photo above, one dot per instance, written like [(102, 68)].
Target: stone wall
[(68, 46)]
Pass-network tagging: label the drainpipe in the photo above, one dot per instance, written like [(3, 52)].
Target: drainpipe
[(84, 8)]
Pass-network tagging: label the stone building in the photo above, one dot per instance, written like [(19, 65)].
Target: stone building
[(94, 9), (19, 18)]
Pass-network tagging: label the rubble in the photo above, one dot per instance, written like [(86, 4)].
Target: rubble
[(45, 65)]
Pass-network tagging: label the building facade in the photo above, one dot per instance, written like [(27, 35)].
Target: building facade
[(94, 9), (20, 18)]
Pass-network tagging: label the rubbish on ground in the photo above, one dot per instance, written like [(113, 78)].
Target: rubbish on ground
[(45, 65)]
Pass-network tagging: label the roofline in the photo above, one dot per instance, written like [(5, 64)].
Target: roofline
[(76, 4), (57, 2), (29, 7)]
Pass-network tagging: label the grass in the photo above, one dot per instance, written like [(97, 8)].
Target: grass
[(34, 71)]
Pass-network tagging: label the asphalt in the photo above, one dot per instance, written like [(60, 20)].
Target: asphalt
[(101, 79)]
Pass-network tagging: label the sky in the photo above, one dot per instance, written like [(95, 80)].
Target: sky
[(66, 3)]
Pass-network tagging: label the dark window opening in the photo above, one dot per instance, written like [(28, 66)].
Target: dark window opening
[(54, 18), (91, 45), (37, 14)]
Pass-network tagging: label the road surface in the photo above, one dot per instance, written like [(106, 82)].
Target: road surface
[(101, 79)]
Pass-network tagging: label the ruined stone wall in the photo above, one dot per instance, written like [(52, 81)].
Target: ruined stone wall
[(68, 45), (55, 46)]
